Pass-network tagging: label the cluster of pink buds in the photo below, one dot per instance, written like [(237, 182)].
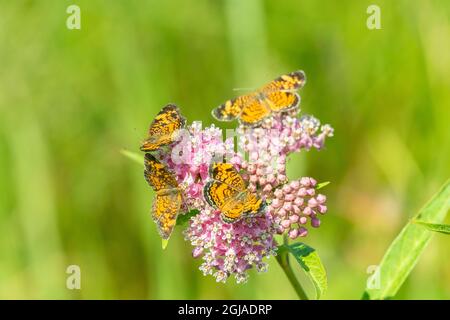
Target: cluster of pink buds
[(295, 204)]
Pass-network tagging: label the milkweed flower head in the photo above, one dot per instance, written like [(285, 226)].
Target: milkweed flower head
[(260, 155), (231, 249)]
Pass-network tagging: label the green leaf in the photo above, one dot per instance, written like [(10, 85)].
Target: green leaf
[(405, 250), (184, 218), (136, 157), (322, 185), (442, 228), (310, 262)]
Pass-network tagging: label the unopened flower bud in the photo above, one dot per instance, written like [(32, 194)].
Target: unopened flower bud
[(304, 181), (315, 222), (321, 198), (294, 185), (276, 203), (278, 193), (286, 189), (322, 209), (287, 206), (302, 232), (286, 224), (298, 201), (312, 203), (289, 197), (301, 192), (293, 233)]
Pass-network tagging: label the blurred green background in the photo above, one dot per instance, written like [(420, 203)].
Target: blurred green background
[(70, 100)]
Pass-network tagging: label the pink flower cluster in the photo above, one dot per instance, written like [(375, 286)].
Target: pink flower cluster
[(295, 204)]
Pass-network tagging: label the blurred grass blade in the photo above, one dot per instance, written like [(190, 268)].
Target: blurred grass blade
[(136, 157), (442, 228), (322, 185), (164, 243), (406, 249), (310, 262)]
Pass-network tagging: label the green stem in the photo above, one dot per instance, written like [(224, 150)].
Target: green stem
[(283, 260)]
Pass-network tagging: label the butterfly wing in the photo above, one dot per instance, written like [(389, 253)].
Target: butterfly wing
[(253, 204), (227, 173), (234, 209), (280, 94), (218, 194), (168, 200), (280, 101), (163, 128), (246, 204), (166, 206), (254, 112), (287, 82), (249, 109), (157, 174), (232, 109)]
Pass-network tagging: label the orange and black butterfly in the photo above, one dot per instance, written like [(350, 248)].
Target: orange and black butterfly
[(227, 192), (277, 96), (168, 200), (164, 128)]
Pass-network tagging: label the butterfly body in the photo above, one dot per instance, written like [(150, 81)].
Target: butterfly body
[(277, 96), (227, 192)]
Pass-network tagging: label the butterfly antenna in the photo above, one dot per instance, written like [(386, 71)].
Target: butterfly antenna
[(243, 89)]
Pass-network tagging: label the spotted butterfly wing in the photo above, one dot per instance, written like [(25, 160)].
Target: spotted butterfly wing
[(280, 94), (254, 112), (290, 82), (164, 128), (227, 192), (168, 200)]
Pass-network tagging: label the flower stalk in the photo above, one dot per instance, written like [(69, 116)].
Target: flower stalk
[(283, 260)]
